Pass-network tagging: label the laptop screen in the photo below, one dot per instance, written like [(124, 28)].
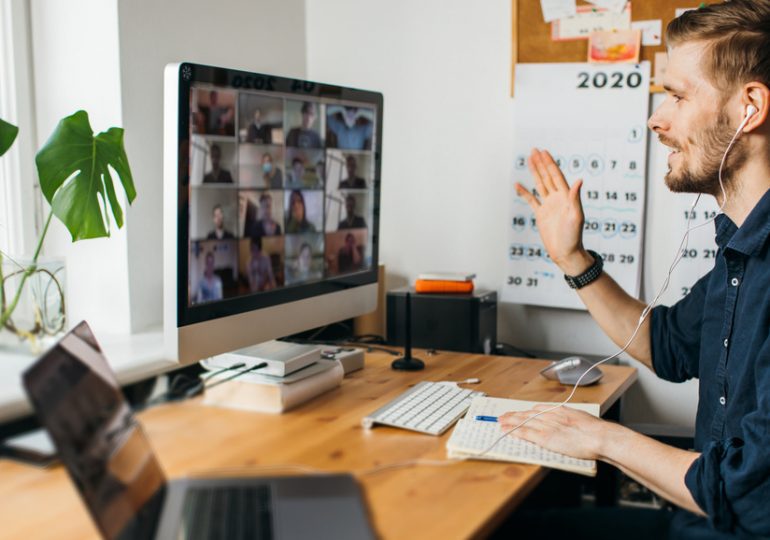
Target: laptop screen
[(77, 399)]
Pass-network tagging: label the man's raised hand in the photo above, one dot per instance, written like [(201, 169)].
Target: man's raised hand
[(559, 213)]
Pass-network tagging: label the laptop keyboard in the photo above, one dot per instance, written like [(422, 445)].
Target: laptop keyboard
[(227, 513)]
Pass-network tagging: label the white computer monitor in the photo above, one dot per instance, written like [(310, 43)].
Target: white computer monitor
[(271, 207)]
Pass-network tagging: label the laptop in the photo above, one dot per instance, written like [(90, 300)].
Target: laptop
[(77, 399)]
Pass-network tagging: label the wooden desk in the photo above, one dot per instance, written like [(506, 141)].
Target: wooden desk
[(462, 500)]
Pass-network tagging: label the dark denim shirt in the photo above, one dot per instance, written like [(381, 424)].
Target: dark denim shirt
[(720, 333)]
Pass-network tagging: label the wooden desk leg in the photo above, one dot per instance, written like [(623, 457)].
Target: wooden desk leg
[(607, 476)]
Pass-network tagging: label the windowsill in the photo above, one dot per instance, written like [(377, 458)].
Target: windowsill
[(132, 358)]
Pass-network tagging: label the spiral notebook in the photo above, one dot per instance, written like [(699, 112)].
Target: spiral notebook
[(471, 437)]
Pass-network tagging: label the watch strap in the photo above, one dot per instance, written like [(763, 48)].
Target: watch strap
[(589, 276)]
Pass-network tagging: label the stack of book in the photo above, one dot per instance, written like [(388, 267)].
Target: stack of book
[(294, 374), (444, 282)]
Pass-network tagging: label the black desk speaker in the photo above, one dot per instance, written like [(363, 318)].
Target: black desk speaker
[(450, 322)]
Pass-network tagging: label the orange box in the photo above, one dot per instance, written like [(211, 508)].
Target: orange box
[(442, 286)]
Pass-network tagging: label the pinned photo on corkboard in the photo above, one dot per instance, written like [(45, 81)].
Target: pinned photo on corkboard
[(619, 46)]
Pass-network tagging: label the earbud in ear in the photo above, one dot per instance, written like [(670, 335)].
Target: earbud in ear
[(750, 111)]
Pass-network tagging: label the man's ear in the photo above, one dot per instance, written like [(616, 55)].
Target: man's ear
[(757, 95)]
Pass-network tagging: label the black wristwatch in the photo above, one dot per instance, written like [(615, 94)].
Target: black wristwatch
[(589, 276)]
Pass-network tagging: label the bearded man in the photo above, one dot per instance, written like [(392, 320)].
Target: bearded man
[(714, 120)]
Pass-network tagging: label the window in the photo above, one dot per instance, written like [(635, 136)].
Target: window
[(18, 181)]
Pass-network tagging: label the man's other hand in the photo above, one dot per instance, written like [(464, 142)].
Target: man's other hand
[(565, 430)]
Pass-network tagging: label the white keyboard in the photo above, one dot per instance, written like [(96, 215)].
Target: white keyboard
[(427, 407)]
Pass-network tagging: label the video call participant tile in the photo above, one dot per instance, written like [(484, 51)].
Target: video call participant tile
[(260, 166), (347, 251), (347, 210), (304, 168), (213, 213), (213, 161), (349, 127), (260, 213), (213, 270), (303, 124), (260, 264), (349, 170), (303, 211), (304, 257), (213, 112), (260, 119)]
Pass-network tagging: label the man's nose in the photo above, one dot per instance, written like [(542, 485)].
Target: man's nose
[(657, 121)]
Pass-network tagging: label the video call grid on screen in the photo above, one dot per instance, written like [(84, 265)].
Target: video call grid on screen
[(281, 190)]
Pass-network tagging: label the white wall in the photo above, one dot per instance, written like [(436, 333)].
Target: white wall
[(444, 68), (107, 57), (265, 35)]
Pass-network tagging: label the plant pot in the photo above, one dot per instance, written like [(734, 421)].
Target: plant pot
[(38, 318)]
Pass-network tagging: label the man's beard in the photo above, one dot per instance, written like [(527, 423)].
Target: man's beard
[(712, 141)]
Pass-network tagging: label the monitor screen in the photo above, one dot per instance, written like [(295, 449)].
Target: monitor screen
[(277, 190)]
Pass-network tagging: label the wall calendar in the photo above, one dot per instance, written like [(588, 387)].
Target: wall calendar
[(593, 120)]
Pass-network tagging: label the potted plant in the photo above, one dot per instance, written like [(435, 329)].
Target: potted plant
[(74, 174)]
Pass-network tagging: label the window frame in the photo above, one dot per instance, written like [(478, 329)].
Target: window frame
[(20, 200)]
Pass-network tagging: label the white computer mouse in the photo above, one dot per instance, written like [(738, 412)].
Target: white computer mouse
[(570, 369)]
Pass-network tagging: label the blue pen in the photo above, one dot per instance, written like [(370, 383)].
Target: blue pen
[(487, 418)]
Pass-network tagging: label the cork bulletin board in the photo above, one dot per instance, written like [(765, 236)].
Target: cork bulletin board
[(532, 43)]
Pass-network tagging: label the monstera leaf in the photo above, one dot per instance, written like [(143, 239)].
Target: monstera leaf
[(74, 170), (7, 135)]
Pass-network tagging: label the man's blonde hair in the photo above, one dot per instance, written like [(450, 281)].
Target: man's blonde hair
[(737, 38)]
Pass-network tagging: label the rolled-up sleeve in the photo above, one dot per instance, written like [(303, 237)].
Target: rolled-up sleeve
[(675, 335), (730, 480)]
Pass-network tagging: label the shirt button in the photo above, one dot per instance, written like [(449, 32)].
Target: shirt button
[(734, 282), (722, 400), (725, 342)]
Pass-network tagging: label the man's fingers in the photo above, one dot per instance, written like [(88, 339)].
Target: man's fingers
[(537, 170), (514, 422), (527, 196), (574, 191), (517, 420), (516, 417), (528, 434), (555, 176), (551, 413), (550, 179), (541, 416)]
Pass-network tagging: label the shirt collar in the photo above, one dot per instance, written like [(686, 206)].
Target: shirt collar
[(725, 229), (750, 237)]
